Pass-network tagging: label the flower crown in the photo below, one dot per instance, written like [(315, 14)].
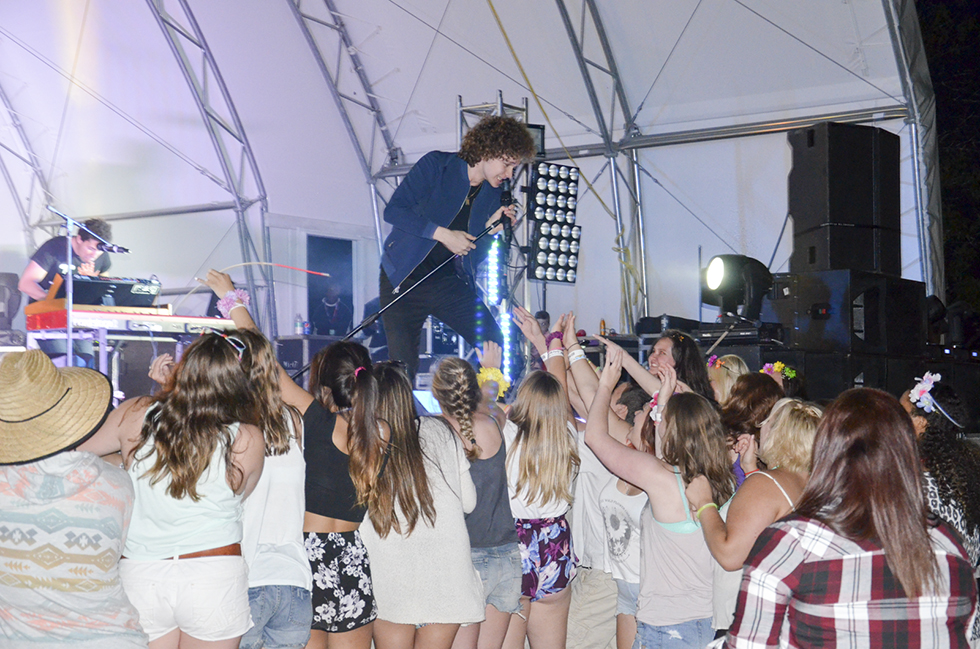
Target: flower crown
[(778, 367), (715, 363), (921, 396)]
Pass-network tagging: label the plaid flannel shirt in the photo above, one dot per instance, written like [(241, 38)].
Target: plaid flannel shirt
[(806, 586)]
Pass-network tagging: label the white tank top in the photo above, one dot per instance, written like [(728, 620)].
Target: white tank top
[(164, 527)]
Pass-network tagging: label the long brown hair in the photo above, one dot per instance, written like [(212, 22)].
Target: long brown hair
[(341, 378), (866, 484), (694, 442), (262, 368), (455, 387), (207, 393), (545, 450), (403, 483), (749, 403)]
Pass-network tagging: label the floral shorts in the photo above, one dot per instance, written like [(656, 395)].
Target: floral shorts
[(547, 560), (343, 596)]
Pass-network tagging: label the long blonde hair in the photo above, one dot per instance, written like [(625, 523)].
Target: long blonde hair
[(545, 450), (262, 368), (455, 387)]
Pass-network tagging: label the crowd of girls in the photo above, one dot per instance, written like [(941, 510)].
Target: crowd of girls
[(678, 504)]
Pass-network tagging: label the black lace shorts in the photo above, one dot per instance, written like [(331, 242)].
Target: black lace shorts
[(343, 596)]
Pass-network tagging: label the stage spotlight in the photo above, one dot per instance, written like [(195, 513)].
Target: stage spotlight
[(733, 280), (552, 188)]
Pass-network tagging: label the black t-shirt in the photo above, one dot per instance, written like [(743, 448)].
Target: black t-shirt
[(440, 253), (51, 257)]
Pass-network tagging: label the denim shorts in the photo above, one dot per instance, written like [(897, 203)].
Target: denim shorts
[(282, 616), (500, 570), (694, 634), (626, 595)]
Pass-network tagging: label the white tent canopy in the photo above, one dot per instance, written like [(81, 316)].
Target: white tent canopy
[(205, 128)]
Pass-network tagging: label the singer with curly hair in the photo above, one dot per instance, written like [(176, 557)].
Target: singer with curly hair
[(445, 201)]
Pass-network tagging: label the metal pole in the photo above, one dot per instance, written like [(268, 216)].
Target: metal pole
[(377, 218), (640, 235), (623, 275)]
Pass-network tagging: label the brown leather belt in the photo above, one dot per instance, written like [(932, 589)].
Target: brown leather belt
[(233, 549)]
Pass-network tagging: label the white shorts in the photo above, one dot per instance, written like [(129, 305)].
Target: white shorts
[(206, 598)]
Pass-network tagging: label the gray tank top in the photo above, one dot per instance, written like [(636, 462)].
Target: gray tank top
[(491, 523)]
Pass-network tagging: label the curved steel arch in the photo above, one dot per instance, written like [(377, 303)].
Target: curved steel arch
[(236, 176), (32, 161)]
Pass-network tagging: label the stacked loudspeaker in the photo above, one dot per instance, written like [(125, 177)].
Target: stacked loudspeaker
[(844, 199), (844, 303)]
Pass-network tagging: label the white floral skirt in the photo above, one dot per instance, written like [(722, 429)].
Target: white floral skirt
[(343, 597)]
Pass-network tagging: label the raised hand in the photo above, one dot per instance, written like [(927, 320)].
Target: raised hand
[(612, 369), (162, 368), (491, 355), (218, 282)]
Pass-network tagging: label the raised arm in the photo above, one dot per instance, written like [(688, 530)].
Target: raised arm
[(222, 285), (634, 466), (756, 505), (643, 378)]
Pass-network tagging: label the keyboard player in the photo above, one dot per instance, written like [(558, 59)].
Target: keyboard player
[(48, 261)]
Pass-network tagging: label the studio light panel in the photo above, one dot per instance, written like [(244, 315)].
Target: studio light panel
[(555, 238)]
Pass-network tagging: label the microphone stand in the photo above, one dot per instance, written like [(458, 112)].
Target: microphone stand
[(69, 281), (371, 319)]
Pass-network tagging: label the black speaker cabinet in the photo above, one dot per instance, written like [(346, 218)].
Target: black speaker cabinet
[(844, 196), (847, 312)]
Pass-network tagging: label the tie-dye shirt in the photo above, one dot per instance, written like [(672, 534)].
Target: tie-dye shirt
[(63, 522)]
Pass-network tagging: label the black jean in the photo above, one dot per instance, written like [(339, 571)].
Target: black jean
[(447, 297)]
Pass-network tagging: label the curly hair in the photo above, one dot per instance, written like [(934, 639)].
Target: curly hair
[(262, 369), (497, 137), (99, 227), (749, 403), (455, 387), (952, 461)]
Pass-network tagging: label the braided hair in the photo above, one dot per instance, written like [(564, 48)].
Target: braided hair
[(455, 387)]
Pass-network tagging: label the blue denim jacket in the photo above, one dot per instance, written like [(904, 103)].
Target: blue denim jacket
[(430, 196)]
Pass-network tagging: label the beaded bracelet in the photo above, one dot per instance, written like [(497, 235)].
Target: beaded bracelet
[(703, 507)]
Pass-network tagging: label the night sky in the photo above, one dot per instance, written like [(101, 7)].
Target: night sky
[(951, 34)]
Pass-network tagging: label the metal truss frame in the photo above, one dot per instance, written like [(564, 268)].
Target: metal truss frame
[(39, 180), (239, 168), (590, 16), (346, 58)]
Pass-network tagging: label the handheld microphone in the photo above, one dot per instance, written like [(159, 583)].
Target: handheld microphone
[(108, 247), (506, 200)]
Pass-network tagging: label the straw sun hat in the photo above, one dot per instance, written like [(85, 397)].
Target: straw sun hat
[(45, 410)]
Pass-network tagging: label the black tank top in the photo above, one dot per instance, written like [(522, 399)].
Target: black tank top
[(329, 489)]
